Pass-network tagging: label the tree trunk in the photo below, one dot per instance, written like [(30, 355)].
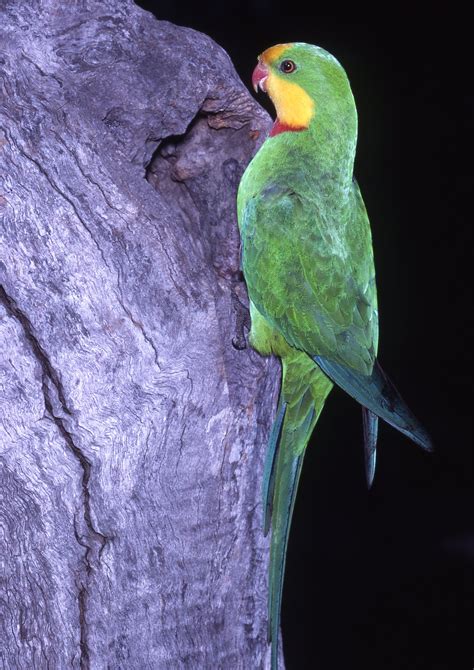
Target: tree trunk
[(133, 419)]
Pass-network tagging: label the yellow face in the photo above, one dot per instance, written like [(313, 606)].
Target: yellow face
[(293, 105)]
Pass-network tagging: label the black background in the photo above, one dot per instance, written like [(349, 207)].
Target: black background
[(385, 580)]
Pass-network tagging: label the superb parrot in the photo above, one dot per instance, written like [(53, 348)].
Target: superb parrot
[(307, 259)]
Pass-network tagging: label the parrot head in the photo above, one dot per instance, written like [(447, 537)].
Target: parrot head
[(303, 81)]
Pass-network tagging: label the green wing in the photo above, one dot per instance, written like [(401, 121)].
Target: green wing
[(312, 274), (309, 270)]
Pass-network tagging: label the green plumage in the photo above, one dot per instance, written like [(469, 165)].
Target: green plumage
[(308, 263)]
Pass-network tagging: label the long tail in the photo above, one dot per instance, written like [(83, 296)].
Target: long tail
[(304, 390)]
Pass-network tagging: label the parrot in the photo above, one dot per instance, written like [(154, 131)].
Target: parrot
[(307, 259)]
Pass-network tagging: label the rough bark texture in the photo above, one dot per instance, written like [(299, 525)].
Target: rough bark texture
[(132, 420)]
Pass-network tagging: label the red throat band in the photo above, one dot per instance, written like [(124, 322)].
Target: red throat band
[(279, 127)]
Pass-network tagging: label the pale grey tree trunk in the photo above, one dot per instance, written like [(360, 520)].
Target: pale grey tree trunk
[(133, 420)]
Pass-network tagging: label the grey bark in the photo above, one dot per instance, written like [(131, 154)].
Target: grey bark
[(133, 420)]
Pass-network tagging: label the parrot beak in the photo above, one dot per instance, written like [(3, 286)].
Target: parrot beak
[(259, 77)]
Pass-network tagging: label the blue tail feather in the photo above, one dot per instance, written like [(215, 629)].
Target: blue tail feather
[(371, 424), (270, 462), (288, 474)]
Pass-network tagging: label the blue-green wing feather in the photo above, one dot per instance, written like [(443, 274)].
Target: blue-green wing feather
[(379, 395)]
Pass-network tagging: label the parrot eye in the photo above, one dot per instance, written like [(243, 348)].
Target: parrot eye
[(287, 66)]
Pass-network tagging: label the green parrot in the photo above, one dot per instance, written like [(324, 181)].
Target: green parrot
[(307, 259)]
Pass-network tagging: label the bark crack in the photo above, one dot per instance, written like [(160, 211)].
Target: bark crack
[(171, 262), (139, 325), (88, 177), (61, 193), (53, 393)]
